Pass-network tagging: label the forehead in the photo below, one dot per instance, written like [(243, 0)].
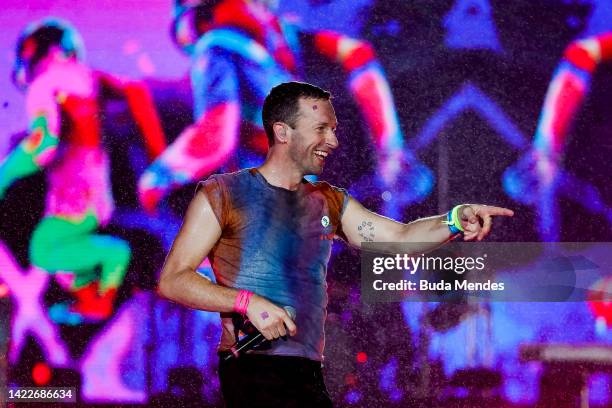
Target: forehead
[(316, 110)]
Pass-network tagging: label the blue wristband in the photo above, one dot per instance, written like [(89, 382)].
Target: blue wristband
[(451, 225)]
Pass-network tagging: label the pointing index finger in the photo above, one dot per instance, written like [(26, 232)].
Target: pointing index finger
[(497, 211)]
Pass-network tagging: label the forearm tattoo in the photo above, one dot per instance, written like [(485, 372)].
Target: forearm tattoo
[(366, 231)]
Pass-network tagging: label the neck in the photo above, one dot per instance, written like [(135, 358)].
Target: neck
[(280, 172)]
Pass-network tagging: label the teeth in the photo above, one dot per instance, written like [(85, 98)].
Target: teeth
[(320, 153)]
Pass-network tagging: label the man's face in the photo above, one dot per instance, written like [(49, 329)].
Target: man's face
[(314, 135)]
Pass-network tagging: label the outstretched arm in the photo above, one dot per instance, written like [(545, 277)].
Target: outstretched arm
[(361, 225), (567, 90), (39, 147), (142, 107), (204, 146)]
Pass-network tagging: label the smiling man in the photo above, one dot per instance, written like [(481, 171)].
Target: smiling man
[(268, 233)]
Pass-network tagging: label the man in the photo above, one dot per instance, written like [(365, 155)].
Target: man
[(268, 233), (63, 97), (240, 49)]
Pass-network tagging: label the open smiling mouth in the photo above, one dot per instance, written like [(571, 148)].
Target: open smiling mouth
[(320, 154)]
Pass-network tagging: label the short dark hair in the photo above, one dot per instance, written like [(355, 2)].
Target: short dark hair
[(282, 104)]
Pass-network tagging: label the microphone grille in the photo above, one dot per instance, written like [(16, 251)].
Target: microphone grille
[(290, 311)]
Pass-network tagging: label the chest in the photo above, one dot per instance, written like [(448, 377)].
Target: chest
[(289, 219)]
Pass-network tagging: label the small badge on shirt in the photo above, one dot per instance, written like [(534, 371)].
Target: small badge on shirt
[(325, 221), (327, 234)]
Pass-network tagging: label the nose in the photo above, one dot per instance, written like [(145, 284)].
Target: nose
[(331, 140)]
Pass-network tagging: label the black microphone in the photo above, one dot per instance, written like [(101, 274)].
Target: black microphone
[(253, 339)]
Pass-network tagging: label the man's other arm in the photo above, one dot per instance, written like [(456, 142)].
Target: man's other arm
[(179, 281)]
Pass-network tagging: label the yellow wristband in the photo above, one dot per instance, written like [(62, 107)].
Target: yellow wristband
[(453, 221)]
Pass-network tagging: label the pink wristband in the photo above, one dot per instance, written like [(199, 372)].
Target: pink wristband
[(242, 301)]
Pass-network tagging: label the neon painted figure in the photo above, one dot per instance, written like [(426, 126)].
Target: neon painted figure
[(239, 50), (537, 176), (565, 95), (62, 102)]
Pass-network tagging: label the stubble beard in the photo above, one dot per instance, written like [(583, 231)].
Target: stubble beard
[(304, 161)]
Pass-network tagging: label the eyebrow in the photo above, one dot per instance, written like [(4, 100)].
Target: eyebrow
[(325, 124)]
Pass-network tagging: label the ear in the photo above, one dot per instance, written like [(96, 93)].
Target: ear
[(280, 132)]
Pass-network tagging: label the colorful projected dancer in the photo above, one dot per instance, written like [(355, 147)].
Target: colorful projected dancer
[(537, 177), (240, 50), (65, 137)]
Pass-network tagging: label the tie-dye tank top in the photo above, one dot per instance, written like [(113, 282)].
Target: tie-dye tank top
[(276, 243)]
